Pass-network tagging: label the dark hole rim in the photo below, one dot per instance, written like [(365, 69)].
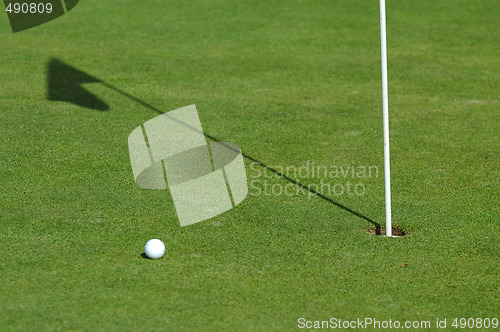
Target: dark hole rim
[(380, 231)]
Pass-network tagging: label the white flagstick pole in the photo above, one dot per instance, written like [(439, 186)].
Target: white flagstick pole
[(385, 109)]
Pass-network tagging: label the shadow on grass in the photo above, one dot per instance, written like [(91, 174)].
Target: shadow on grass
[(64, 85)]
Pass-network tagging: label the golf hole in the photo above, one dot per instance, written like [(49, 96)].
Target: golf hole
[(380, 230)]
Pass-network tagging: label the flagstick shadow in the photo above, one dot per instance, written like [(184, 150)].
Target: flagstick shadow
[(278, 173), (71, 91)]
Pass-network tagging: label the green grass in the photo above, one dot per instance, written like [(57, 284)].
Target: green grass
[(289, 82)]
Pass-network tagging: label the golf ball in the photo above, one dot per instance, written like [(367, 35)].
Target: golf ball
[(154, 249)]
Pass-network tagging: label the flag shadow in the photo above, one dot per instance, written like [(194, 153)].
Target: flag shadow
[(64, 83)]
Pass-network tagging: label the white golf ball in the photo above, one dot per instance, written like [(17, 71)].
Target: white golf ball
[(154, 249)]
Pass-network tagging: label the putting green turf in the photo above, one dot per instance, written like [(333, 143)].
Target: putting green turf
[(290, 82)]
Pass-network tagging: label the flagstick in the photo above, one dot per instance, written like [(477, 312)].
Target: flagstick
[(385, 111)]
